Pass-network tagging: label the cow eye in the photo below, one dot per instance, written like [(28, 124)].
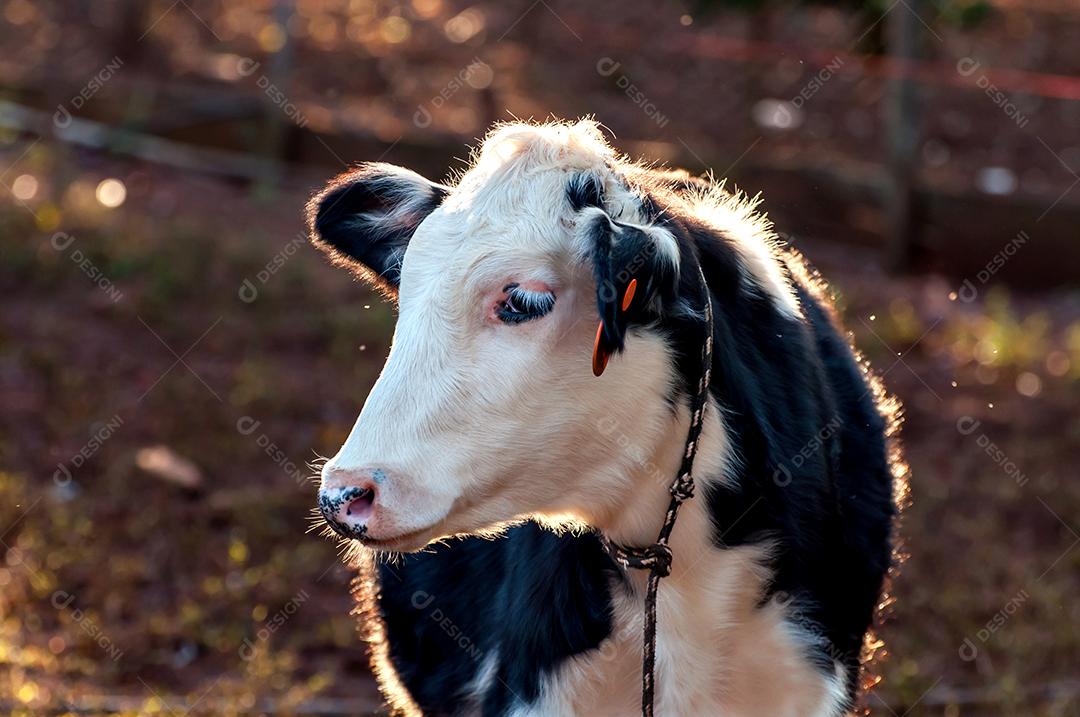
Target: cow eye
[(523, 305)]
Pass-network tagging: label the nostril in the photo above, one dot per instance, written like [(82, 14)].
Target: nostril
[(347, 510), (356, 493), (359, 506)]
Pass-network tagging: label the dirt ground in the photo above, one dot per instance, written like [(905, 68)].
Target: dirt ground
[(192, 320)]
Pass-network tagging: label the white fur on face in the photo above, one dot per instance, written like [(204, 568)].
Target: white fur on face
[(477, 422)]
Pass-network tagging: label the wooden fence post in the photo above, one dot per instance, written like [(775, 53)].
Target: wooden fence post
[(903, 130)]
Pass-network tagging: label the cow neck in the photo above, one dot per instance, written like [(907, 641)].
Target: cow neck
[(657, 557)]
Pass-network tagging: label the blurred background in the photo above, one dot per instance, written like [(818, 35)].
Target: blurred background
[(173, 354)]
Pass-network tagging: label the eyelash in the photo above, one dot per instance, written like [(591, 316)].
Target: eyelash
[(527, 305)]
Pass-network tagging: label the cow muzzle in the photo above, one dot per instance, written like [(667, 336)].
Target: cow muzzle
[(347, 510), (375, 507)]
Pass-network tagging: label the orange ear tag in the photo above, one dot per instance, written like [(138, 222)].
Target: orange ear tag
[(599, 355), (631, 288)]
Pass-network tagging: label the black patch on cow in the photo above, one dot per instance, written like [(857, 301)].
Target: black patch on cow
[(813, 473), (585, 190), (365, 218), (532, 597)]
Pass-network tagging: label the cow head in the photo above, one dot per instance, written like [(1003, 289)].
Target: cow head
[(513, 286)]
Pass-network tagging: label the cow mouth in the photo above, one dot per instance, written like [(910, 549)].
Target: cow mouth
[(402, 542)]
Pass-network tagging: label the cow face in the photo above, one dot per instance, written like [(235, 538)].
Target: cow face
[(513, 287)]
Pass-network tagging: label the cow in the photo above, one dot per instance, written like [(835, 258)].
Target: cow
[(494, 462)]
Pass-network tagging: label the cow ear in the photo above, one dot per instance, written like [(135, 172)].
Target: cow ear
[(636, 270), (365, 218)]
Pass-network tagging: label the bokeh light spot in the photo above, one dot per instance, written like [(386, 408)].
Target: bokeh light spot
[(111, 193), (1057, 363), (24, 187), (238, 552), (271, 37), (480, 75), (465, 25), (1028, 384), (27, 692), (427, 8), (48, 218), (395, 30)]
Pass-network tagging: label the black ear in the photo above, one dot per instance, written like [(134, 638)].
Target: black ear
[(365, 218), (636, 270)]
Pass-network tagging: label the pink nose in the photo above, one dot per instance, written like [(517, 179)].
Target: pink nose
[(347, 499)]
